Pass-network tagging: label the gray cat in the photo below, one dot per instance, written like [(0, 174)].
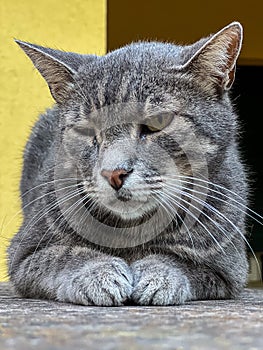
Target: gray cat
[(133, 190)]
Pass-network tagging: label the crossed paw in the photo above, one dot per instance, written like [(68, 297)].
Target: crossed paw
[(112, 283)]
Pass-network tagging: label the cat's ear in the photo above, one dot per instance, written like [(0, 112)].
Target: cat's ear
[(57, 67), (215, 61)]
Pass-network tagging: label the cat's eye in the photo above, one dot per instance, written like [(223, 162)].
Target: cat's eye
[(84, 131), (159, 122)]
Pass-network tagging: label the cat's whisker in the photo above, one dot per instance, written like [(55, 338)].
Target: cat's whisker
[(146, 189), (171, 211), (218, 192), (219, 214), (65, 226), (226, 201), (94, 205), (173, 190), (32, 202), (88, 206), (56, 190), (68, 211), (173, 196), (36, 218), (39, 186)]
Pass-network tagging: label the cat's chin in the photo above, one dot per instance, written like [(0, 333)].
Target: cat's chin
[(131, 210), (124, 215), (132, 215)]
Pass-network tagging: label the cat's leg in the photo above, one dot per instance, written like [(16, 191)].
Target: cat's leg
[(164, 280), (159, 281), (73, 274)]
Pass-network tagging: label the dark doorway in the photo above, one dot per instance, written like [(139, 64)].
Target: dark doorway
[(248, 98)]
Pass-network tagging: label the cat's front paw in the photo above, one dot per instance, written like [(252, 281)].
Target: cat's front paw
[(159, 284), (101, 283)]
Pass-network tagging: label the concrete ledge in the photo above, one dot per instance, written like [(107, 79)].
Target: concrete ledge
[(224, 324)]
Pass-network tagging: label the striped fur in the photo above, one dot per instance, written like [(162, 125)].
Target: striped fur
[(175, 230)]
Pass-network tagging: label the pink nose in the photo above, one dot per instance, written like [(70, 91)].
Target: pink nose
[(115, 177)]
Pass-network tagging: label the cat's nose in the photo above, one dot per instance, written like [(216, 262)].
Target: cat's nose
[(115, 177)]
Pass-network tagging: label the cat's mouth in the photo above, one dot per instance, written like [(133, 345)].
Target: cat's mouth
[(121, 211), (124, 195)]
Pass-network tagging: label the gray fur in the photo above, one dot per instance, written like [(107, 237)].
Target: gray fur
[(48, 258)]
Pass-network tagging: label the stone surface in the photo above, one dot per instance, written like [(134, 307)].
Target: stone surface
[(224, 324)]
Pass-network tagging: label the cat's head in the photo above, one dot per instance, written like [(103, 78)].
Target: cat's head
[(138, 123)]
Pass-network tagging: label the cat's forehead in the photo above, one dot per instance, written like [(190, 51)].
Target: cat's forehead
[(125, 113), (145, 53), (138, 57), (139, 72), (153, 53)]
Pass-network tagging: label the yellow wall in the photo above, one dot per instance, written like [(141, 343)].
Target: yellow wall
[(72, 25)]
